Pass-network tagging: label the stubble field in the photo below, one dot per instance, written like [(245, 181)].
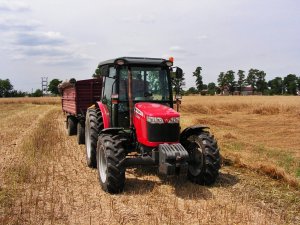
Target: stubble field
[(44, 178)]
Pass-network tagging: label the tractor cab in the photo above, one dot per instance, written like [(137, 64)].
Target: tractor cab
[(128, 80)]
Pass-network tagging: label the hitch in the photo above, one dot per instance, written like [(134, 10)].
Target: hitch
[(173, 159)]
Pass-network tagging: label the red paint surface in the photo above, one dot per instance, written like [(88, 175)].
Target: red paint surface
[(76, 99), (154, 110), (105, 114)]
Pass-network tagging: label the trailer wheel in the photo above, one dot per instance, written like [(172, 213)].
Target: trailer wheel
[(92, 128), (80, 133), (71, 125), (205, 158), (110, 154)]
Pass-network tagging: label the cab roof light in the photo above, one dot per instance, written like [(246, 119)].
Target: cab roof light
[(168, 63)]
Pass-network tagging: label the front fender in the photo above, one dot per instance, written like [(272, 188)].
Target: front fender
[(105, 114), (191, 130), (113, 131)]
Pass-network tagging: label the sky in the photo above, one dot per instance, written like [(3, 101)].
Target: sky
[(65, 39)]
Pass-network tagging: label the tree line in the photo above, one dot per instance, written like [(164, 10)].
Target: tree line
[(7, 89), (232, 83), (229, 81)]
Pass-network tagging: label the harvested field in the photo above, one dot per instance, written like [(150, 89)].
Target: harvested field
[(44, 178)]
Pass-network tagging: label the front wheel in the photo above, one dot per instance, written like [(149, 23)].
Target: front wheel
[(110, 154), (205, 160)]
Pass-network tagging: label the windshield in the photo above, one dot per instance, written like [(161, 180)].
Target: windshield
[(148, 83)]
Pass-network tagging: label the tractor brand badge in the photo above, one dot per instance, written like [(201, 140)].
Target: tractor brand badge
[(139, 112)]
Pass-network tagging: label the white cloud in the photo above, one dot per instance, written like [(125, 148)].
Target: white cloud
[(14, 23), (37, 38), (13, 6)]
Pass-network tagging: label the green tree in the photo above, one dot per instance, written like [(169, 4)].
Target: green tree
[(251, 78), (229, 80), (37, 93), (199, 82), (191, 90), (241, 79), (261, 84), (97, 73), (290, 84), (221, 81), (53, 86), (276, 86), (211, 88), (226, 80), (5, 87), (178, 84)]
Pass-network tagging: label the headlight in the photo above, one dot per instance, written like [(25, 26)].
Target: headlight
[(151, 119), (174, 120)]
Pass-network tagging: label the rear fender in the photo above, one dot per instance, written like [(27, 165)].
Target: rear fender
[(105, 114), (190, 131)]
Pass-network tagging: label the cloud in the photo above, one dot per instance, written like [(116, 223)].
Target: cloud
[(39, 38), (13, 6), (11, 23)]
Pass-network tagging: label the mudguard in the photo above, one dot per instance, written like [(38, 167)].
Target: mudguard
[(105, 114), (191, 130), (114, 130)]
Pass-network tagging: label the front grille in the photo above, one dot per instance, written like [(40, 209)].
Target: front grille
[(167, 132)]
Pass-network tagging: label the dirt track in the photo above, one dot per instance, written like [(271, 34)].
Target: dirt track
[(63, 190)]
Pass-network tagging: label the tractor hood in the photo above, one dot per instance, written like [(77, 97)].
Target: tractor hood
[(155, 110), (155, 124)]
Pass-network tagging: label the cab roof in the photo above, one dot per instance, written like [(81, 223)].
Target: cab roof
[(135, 60)]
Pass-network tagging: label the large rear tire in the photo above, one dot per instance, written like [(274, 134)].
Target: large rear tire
[(110, 154), (92, 127), (71, 125), (205, 160), (80, 133)]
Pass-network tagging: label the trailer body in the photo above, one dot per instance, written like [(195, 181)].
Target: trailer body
[(76, 98)]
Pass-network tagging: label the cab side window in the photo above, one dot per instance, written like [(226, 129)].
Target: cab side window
[(109, 87)]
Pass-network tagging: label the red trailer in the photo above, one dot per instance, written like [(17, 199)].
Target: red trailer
[(77, 97)]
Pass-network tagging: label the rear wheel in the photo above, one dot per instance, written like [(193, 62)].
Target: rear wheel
[(110, 154), (80, 133), (205, 158), (71, 125), (92, 127)]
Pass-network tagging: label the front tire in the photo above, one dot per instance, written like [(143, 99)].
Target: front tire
[(92, 128), (205, 160), (110, 154)]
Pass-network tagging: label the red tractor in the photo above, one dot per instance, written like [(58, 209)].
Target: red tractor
[(134, 123)]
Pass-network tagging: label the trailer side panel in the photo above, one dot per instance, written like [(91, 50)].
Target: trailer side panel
[(77, 98)]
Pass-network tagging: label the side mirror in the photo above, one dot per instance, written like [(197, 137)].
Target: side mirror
[(179, 73)]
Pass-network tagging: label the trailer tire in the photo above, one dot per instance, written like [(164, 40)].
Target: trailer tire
[(71, 125), (92, 128), (205, 160), (110, 155), (80, 133)]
